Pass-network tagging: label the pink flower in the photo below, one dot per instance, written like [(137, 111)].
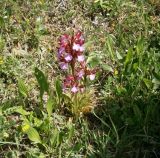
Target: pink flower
[(64, 66), (80, 73), (68, 57), (78, 38), (78, 47), (80, 58), (92, 76), (74, 89), (64, 40), (81, 49), (60, 52)]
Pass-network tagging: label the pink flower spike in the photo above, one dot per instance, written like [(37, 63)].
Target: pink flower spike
[(74, 89), (68, 57), (76, 47), (80, 58), (92, 76), (64, 66)]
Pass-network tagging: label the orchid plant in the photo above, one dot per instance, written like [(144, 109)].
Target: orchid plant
[(72, 60), (71, 57)]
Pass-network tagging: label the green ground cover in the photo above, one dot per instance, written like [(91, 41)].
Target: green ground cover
[(122, 41)]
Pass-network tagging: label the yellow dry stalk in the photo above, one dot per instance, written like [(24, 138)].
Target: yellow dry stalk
[(84, 103)]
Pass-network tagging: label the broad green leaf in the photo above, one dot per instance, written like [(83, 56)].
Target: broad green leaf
[(42, 81), (70, 129), (128, 58), (147, 82), (156, 75), (22, 88), (156, 83), (121, 90), (140, 46), (32, 133), (54, 137), (2, 23), (110, 46), (25, 128), (119, 57), (107, 68), (135, 66), (50, 105), (21, 111), (93, 60), (58, 88), (87, 44)]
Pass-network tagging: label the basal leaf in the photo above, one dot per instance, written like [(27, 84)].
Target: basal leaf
[(32, 133), (128, 57), (107, 68), (22, 88), (21, 111), (50, 105), (147, 82), (58, 88), (42, 81)]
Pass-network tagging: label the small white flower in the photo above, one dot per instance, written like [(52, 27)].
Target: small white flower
[(74, 89), (92, 77), (76, 47), (81, 74), (80, 58), (81, 48), (63, 66), (68, 57)]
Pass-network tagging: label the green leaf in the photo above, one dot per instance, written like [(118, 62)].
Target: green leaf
[(156, 83), (32, 133), (22, 88), (135, 66), (93, 60), (140, 46), (119, 57), (54, 137), (147, 82), (107, 68), (87, 44), (110, 43), (42, 81), (137, 112), (70, 129), (2, 23), (128, 57), (156, 75), (50, 105), (21, 111), (58, 88)]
